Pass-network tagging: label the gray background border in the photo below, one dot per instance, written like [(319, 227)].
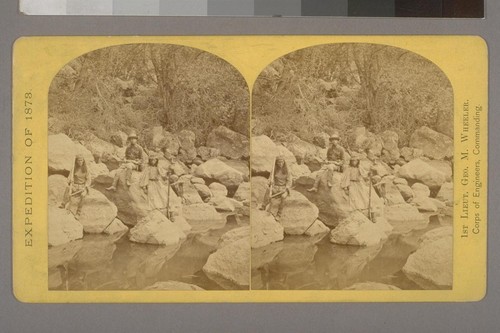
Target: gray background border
[(337, 317)]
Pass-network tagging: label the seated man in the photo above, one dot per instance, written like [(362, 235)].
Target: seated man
[(134, 159), (280, 182), (335, 161)]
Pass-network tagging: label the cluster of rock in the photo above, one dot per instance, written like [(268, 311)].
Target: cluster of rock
[(418, 182), (215, 183)]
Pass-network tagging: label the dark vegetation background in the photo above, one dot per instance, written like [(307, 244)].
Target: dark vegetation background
[(342, 86), (139, 86)]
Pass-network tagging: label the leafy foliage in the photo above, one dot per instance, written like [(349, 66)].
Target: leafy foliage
[(138, 86), (341, 86)]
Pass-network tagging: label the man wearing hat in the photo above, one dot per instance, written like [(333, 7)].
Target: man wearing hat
[(134, 158), (335, 160)]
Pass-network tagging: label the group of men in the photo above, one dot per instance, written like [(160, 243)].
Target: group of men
[(280, 180)]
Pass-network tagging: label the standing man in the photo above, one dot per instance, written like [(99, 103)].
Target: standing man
[(134, 159), (280, 183), (335, 161)]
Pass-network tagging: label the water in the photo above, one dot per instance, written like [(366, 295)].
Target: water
[(302, 263), (99, 262)]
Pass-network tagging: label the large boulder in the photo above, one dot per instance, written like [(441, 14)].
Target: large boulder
[(131, 201), (229, 265), (318, 228), (234, 235), (358, 230), (240, 165), (287, 155), (393, 194), (243, 192), (406, 192), (264, 152), (405, 218), (61, 153), (63, 227), (97, 212), (97, 170), (431, 266), (57, 185), (230, 143), (218, 189), (258, 187), (107, 153), (264, 229), (361, 139), (409, 154), (156, 229), (332, 202), (445, 194), (390, 142), (299, 171), (215, 169), (84, 152), (115, 227), (434, 145), (298, 213), (225, 204), (173, 285), (443, 166), (203, 191), (187, 150), (419, 171), (203, 217), (305, 152), (425, 204), (421, 190), (206, 153)]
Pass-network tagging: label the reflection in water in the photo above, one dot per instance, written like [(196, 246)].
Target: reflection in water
[(99, 262), (300, 263)]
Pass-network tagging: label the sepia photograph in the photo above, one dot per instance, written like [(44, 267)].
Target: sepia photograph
[(352, 171), (148, 180)]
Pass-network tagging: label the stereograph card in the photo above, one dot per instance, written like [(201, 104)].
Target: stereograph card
[(250, 169)]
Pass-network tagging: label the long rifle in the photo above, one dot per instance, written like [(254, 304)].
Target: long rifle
[(271, 180), (370, 197)]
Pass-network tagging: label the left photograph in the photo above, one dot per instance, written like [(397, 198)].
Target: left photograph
[(148, 157)]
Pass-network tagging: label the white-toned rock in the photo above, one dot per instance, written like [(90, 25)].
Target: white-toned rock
[(230, 143), (406, 192), (207, 153), (264, 151), (299, 171), (358, 230), (393, 195), (157, 229), (390, 142), (425, 204), (63, 227), (203, 217), (203, 191), (419, 171), (264, 229), (190, 192), (197, 180), (187, 150), (402, 212), (259, 186), (115, 227), (445, 194), (361, 139), (287, 155), (234, 235), (410, 154), (243, 192), (182, 223), (61, 153), (316, 229), (230, 264), (97, 170), (431, 266), (305, 152), (173, 285), (97, 212), (400, 181), (434, 145), (443, 166), (57, 185), (421, 190), (218, 170), (87, 155), (225, 204), (371, 286), (298, 213), (218, 189)]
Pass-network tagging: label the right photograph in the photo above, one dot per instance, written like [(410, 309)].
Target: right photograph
[(352, 171)]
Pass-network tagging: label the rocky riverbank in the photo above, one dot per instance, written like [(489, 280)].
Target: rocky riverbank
[(215, 180), (418, 184)]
